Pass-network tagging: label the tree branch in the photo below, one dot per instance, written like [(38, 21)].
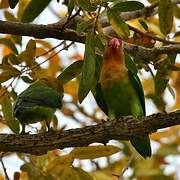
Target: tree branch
[(150, 54), (123, 128), (54, 31), (39, 31)]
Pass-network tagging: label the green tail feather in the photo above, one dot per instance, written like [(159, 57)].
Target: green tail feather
[(142, 146)]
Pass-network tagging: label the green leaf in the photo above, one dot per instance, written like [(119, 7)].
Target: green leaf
[(26, 79), (33, 9), (71, 72), (87, 5), (92, 152), (33, 172), (69, 174), (29, 54), (100, 44), (176, 9), (83, 175), (161, 80), (171, 90), (173, 67), (172, 58), (8, 72), (165, 11), (12, 58), (9, 44), (99, 60), (166, 150), (70, 6), (117, 23), (130, 63), (88, 72), (17, 39), (9, 16), (7, 112), (59, 163), (128, 6), (13, 3), (84, 25), (143, 24)]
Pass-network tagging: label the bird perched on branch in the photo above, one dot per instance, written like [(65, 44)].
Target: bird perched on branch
[(119, 91), (39, 102)]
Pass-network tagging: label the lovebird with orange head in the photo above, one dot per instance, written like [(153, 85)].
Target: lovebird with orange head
[(119, 91), (39, 102)]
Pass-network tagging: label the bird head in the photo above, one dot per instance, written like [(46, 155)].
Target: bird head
[(115, 43), (114, 50)]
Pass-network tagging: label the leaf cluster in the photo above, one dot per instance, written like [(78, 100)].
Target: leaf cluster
[(28, 60)]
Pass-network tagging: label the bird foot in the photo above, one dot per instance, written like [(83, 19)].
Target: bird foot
[(24, 133), (103, 120), (51, 130), (107, 119)]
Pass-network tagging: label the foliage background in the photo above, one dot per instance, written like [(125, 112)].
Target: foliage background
[(58, 163)]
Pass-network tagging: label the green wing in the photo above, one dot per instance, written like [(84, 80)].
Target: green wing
[(139, 89), (100, 99), (42, 95), (142, 145)]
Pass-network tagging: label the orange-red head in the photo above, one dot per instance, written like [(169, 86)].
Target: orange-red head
[(115, 43), (114, 50), (113, 67)]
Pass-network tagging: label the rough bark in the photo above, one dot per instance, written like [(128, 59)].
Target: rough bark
[(123, 128)]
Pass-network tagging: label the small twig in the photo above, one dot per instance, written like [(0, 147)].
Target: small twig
[(70, 19), (4, 168), (10, 85), (151, 36), (34, 67), (126, 167), (43, 54), (120, 176), (97, 17), (150, 70)]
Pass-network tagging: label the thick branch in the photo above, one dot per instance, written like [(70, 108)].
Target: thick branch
[(150, 54), (123, 128), (54, 31), (39, 31)]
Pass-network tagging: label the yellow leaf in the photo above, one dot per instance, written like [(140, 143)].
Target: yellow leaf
[(100, 175), (22, 4), (40, 51), (71, 88), (29, 54), (54, 66), (117, 23), (44, 43), (169, 133), (83, 175), (4, 4), (7, 112), (92, 152), (148, 85), (165, 12), (8, 72), (72, 173), (58, 164), (69, 174)]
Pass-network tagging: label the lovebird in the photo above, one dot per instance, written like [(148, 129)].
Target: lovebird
[(38, 102), (119, 91)]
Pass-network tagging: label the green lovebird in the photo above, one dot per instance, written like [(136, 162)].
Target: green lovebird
[(38, 102), (119, 91)]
